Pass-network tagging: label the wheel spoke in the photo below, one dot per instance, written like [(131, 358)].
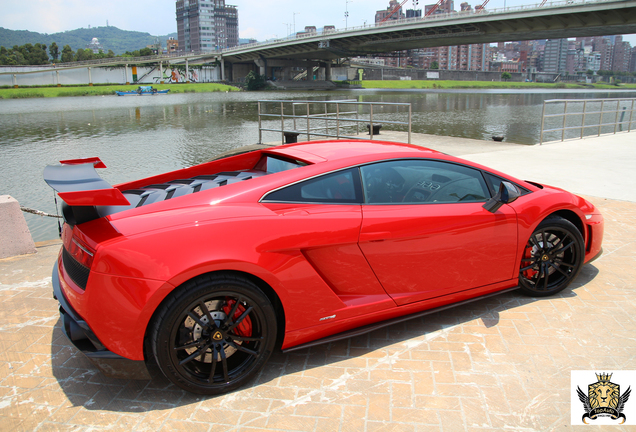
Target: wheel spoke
[(556, 267), (207, 313), (534, 242), (527, 268), (246, 339), (213, 365), (544, 239), (564, 248), (240, 319), (561, 263), (195, 354), (190, 345), (545, 277), (560, 242), (228, 318), (224, 363), (242, 348), (197, 319)]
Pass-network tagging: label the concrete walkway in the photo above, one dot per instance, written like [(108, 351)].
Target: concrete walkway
[(497, 364)]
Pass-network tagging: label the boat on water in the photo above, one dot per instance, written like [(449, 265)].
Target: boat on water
[(142, 91)]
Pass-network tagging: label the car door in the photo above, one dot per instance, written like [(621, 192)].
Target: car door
[(424, 231), (323, 217)]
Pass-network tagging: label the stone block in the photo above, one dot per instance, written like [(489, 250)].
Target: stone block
[(15, 237)]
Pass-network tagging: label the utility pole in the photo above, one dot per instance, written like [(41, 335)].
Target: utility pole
[(347, 12), (295, 13)]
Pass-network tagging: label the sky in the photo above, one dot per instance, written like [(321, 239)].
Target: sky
[(259, 19)]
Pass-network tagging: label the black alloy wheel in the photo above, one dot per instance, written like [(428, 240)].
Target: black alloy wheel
[(214, 334), (552, 257)]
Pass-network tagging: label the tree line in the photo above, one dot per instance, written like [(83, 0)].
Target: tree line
[(28, 54)]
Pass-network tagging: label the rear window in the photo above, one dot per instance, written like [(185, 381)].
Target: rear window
[(273, 164)]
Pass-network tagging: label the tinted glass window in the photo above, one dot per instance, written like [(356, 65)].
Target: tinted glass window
[(339, 187), (271, 164), (422, 181)]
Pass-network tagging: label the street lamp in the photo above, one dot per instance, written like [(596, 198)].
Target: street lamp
[(347, 12)]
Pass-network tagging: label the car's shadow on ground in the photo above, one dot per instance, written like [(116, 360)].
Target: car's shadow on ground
[(86, 386)]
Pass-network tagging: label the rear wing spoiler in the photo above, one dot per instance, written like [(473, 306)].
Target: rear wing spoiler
[(77, 183)]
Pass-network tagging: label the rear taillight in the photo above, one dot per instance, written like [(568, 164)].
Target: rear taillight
[(82, 253)]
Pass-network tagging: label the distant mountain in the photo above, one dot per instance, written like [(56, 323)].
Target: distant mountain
[(111, 38)]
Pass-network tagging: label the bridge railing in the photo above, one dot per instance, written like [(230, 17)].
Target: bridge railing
[(575, 118), (339, 119)]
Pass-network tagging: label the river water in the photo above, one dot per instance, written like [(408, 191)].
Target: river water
[(141, 136)]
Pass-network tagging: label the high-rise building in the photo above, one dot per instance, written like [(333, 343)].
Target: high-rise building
[(555, 55), (206, 25), (447, 6), (621, 56), (389, 13)]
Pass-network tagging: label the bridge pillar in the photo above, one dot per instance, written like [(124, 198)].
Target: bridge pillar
[(328, 71), (262, 66), (286, 73), (310, 71), (15, 81), (187, 71), (126, 75), (57, 77), (90, 77), (161, 81), (222, 69)]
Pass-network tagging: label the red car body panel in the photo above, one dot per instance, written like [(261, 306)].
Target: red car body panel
[(333, 267)]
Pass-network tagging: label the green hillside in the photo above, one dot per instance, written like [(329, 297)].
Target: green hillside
[(111, 38)]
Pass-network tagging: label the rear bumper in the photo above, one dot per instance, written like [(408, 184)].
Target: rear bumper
[(81, 335)]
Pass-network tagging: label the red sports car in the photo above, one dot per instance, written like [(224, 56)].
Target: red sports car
[(208, 269)]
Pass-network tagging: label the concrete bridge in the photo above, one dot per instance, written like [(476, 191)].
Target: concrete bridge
[(557, 19)]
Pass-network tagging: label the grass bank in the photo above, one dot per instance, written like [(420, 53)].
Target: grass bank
[(430, 84), (100, 90)]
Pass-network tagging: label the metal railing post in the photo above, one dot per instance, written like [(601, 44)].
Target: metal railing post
[(326, 121), (282, 123), (294, 114), (631, 114), (260, 126), (583, 121), (542, 124), (409, 123), (565, 117), (337, 120), (308, 137), (371, 122), (618, 105), (600, 121)]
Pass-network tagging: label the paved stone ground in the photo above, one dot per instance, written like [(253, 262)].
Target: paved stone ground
[(500, 363)]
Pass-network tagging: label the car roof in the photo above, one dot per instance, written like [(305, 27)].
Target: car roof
[(321, 151)]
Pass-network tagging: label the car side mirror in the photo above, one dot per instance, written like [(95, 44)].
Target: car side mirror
[(507, 194)]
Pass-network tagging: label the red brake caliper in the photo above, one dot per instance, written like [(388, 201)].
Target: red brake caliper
[(245, 327), (528, 274)]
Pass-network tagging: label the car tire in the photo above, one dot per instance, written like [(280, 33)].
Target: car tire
[(552, 257), (214, 334)]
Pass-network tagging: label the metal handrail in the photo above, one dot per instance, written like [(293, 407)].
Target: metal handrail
[(592, 118), (333, 121)]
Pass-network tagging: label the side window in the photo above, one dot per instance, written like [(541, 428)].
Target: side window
[(415, 181), (341, 187), (494, 182)]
